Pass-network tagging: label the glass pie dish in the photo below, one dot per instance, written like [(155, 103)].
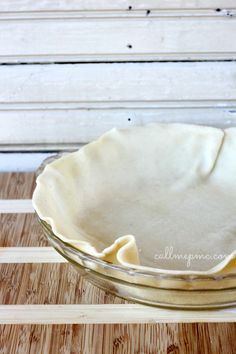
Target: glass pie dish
[(210, 287)]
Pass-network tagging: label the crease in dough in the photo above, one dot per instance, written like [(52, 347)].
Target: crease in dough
[(219, 150)]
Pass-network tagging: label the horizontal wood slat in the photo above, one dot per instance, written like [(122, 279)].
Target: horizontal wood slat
[(147, 38), (51, 129), (139, 85), (30, 255), (122, 13), (9, 206), (43, 102), (73, 5), (58, 314)]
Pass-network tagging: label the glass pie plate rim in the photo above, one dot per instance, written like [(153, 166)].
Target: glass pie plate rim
[(96, 268)]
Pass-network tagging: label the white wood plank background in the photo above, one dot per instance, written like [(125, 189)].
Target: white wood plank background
[(50, 129), (90, 30), (39, 104), (117, 85), (69, 39), (73, 5)]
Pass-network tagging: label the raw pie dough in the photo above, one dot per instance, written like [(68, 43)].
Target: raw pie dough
[(136, 196)]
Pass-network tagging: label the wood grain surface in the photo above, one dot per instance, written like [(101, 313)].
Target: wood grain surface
[(61, 284)]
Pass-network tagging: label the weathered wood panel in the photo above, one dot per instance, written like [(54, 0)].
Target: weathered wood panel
[(118, 85), (43, 102), (52, 129), (160, 37), (73, 5)]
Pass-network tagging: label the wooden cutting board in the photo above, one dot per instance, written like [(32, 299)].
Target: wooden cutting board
[(59, 283)]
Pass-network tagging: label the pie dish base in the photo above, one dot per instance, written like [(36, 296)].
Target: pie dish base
[(149, 295)]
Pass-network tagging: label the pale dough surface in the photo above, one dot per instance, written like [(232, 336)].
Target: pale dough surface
[(134, 194)]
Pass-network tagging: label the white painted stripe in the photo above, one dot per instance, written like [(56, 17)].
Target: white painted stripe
[(117, 85), (22, 162), (178, 36), (85, 125), (108, 5), (77, 103), (91, 314), (11, 206), (119, 14), (30, 255)]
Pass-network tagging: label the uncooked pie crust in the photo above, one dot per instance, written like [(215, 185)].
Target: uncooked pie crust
[(149, 197)]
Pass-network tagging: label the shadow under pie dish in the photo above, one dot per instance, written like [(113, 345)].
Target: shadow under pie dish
[(149, 212)]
